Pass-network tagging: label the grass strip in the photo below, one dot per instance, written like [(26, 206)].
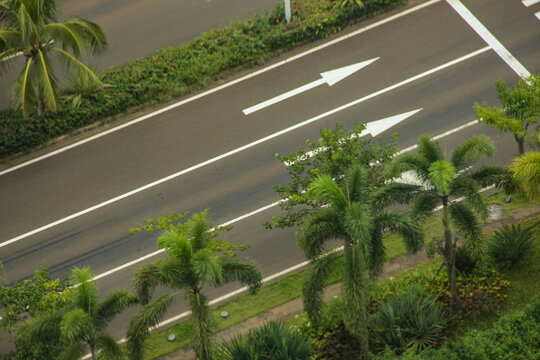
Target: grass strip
[(289, 287)]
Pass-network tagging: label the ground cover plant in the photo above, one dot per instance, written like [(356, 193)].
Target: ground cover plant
[(176, 71)]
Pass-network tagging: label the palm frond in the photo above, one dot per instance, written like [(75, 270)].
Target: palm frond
[(109, 348), (358, 224), (85, 295), (357, 183), (44, 329), (469, 151), (72, 351), (441, 174), (22, 92), (470, 190), (409, 162), (244, 271), (68, 35), (147, 277), (206, 266), (78, 67), (321, 226), (313, 287), (46, 82), (76, 325), (139, 328), (199, 231), (429, 149), (402, 224), (425, 204), (202, 326), (328, 191), (496, 175), (354, 294), (395, 193), (526, 172), (176, 244), (465, 221), (113, 304), (377, 253)]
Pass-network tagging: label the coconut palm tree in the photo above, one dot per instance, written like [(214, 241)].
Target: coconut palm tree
[(84, 323), (193, 262), (439, 181), (29, 28), (354, 215)]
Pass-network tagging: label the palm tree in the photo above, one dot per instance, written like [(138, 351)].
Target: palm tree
[(526, 172), (84, 322), (193, 262), (354, 215), (440, 181), (30, 28)]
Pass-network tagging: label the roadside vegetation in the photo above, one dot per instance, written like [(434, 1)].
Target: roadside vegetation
[(168, 73), (471, 299)]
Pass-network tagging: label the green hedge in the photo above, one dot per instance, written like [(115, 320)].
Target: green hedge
[(512, 337), (176, 71)]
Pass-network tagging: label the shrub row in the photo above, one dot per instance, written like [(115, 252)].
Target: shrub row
[(513, 337), (176, 71)]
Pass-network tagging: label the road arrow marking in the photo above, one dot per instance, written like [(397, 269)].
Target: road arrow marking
[(329, 77), (374, 128)]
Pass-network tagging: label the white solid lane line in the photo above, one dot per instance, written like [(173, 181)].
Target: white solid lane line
[(224, 86), (537, 14), (245, 147), (484, 33), (528, 3)]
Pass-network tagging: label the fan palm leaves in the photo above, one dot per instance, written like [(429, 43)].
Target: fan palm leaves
[(439, 181), (354, 215), (84, 323), (193, 262), (30, 28), (526, 171)]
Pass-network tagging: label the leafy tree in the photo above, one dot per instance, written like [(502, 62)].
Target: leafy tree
[(333, 154), (195, 259), (519, 112), (83, 323), (29, 299), (354, 215), (31, 28), (526, 172), (439, 181)]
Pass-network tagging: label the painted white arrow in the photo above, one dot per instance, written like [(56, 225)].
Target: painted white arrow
[(374, 128), (329, 77)]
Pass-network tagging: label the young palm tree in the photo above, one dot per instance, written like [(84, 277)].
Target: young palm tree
[(30, 28), (193, 262), (440, 181), (355, 216), (84, 323)]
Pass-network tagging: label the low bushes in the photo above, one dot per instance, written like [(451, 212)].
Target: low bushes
[(176, 71), (510, 246)]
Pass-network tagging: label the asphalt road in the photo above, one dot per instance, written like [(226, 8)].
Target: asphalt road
[(191, 134), (135, 28)]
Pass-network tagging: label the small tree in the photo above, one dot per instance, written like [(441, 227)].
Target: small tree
[(83, 323), (195, 259), (440, 181), (354, 216), (333, 154), (519, 112)]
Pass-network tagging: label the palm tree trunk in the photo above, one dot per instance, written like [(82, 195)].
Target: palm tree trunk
[(521, 144), (355, 317), (201, 325), (93, 351), (449, 254)]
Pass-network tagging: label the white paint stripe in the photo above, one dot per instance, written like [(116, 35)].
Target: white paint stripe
[(226, 85), (528, 3), (484, 33), (537, 15), (242, 148)]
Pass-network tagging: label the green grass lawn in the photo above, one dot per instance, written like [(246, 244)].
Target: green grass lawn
[(523, 284)]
